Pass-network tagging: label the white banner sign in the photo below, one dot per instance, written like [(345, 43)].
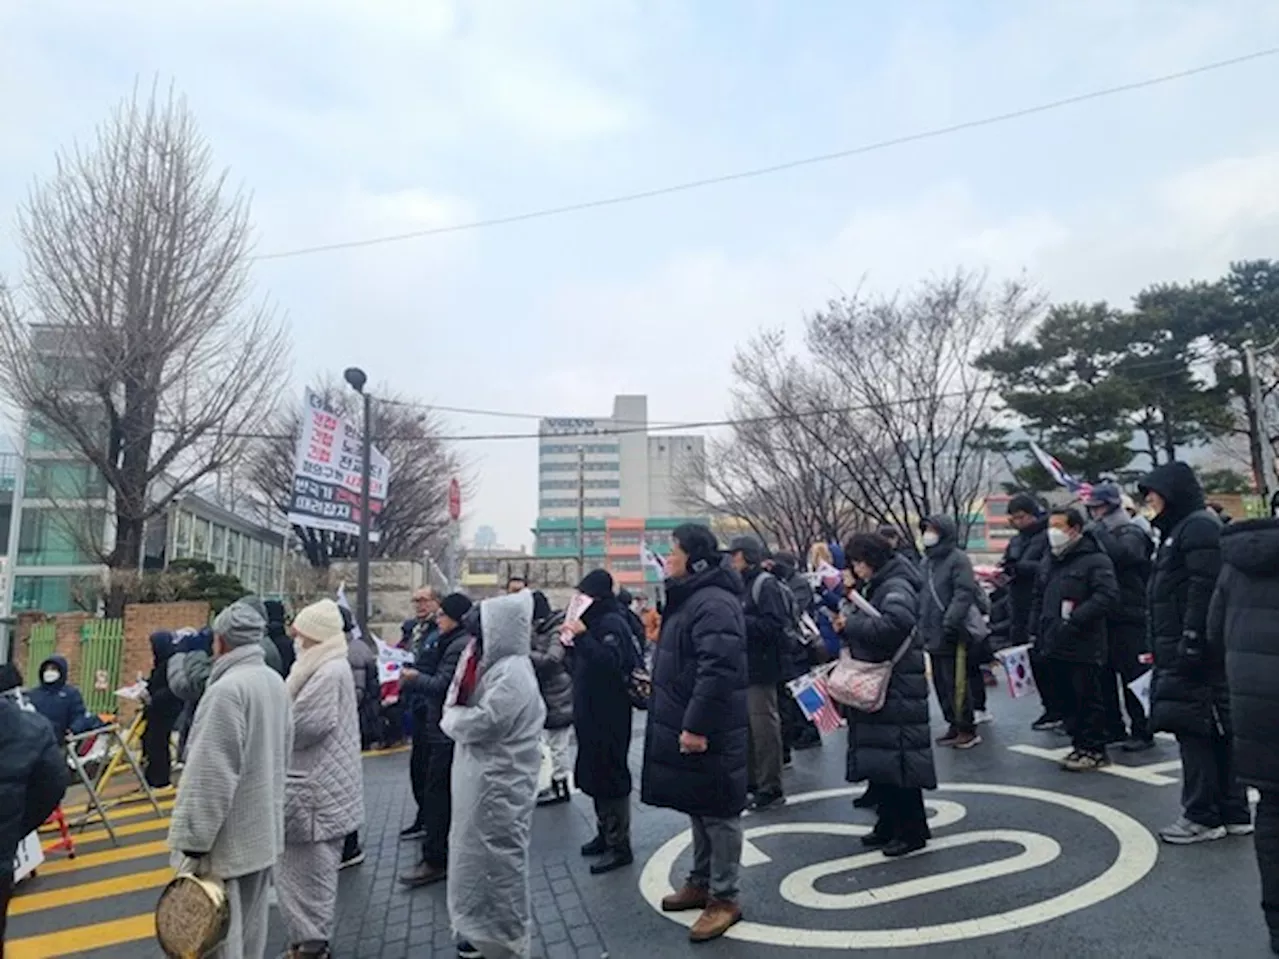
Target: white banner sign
[(29, 856), (327, 473)]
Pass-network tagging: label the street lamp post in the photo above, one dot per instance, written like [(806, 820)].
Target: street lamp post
[(357, 380)]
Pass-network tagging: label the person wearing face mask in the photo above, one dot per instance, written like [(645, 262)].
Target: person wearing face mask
[(948, 594), (60, 702), (1075, 593), (1130, 552), (1189, 691)]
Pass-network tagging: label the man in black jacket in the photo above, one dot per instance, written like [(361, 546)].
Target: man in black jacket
[(1242, 629), (1189, 696), (1022, 557), (1130, 551), (416, 635), (767, 614), (428, 683), (33, 777), (1074, 593)]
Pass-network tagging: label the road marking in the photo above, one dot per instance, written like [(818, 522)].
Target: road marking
[(70, 942), (800, 887), (128, 829), (105, 858), (1136, 857), (22, 905), (1150, 775)]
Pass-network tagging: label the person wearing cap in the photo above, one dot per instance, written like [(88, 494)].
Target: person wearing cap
[(602, 658), (766, 609), (1130, 552), (324, 791), (696, 740), (428, 682), (228, 819)]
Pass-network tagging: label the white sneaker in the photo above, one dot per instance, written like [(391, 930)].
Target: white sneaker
[(1184, 832), (1240, 829), (981, 716)]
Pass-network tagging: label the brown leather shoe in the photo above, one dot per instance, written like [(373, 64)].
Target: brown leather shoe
[(715, 920), (689, 897)]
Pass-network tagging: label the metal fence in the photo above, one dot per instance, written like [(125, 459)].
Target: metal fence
[(101, 652), (40, 646)]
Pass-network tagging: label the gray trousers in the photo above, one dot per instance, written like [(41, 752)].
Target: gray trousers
[(247, 934), (307, 890), (613, 819), (764, 770), (717, 855)]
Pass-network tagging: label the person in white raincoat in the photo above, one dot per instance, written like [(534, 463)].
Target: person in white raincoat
[(495, 716)]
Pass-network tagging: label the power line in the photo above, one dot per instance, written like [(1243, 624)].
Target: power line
[(773, 168)]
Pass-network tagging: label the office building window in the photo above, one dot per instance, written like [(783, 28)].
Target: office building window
[(572, 467), (56, 594), (573, 484), (200, 538), (218, 546), (596, 449), (182, 534), (233, 553), (59, 536), (58, 480)]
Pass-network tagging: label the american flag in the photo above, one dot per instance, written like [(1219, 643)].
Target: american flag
[(810, 693)]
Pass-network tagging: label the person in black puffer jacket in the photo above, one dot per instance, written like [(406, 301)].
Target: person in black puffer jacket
[(602, 659), (695, 747), (33, 778), (1021, 566), (1242, 629), (890, 748), (949, 591), (278, 633), (1189, 687), (161, 713), (550, 664), (1075, 592)]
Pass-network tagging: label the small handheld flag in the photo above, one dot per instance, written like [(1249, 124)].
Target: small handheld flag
[(811, 695)]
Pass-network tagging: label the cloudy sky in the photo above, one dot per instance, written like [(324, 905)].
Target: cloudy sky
[(355, 120)]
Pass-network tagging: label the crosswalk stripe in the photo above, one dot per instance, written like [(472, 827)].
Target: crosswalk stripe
[(80, 939), (105, 858), (88, 891), (128, 829)]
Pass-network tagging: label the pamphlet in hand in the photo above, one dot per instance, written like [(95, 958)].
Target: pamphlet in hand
[(572, 614), (862, 605)]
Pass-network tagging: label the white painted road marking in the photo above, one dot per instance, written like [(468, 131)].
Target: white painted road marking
[(1150, 774), (1136, 857)]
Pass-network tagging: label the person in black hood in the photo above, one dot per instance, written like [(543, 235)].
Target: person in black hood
[(60, 702), (950, 591), (1242, 630), (767, 611), (1189, 696), (1074, 594), (161, 713), (695, 744), (278, 633), (1021, 565), (1130, 551), (602, 658)]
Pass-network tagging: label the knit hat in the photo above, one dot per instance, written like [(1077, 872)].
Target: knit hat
[(239, 625), (1025, 503), (597, 584), (256, 604), (320, 622), (455, 606)]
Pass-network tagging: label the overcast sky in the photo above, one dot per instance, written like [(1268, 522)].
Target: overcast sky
[(352, 120)]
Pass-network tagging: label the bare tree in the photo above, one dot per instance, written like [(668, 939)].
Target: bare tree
[(132, 335), (888, 397), (416, 512)]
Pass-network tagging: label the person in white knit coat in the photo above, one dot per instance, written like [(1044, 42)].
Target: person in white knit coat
[(324, 788)]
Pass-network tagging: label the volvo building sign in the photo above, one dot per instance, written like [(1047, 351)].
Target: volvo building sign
[(569, 426)]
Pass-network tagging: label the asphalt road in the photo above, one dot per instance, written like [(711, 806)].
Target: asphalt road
[(1027, 860)]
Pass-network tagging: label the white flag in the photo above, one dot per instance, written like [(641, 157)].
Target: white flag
[(1141, 687), (1017, 670), (651, 559), (343, 604)]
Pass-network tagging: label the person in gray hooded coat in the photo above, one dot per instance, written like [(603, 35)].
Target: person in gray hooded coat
[(949, 592), (495, 715)]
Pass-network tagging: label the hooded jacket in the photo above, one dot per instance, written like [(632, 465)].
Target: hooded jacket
[(495, 781), (891, 747), (1189, 687), (1074, 593), (602, 659), (948, 567), (549, 658), (60, 702), (1242, 627), (33, 777), (1022, 558), (279, 635), (699, 686)]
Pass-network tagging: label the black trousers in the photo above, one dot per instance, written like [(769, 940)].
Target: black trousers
[(1113, 680), (1081, 687), (901, 812), (155, 744), (419, 753), (613, 822), (1211, 794), (1049, 686), (437, 804), (956, 701), (977, 685), (1266, 835)]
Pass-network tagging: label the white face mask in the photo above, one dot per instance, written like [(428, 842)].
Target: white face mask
[(1059, 539), (930, 538), (50, 676)]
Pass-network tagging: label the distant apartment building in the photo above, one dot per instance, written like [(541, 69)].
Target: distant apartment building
[(631, 488)]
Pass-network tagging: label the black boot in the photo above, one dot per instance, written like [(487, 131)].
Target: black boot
[(597, 846), (615, 826)]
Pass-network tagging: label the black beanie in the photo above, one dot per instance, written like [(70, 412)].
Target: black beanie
[(1025, 503), (597, 584), (455, 606)]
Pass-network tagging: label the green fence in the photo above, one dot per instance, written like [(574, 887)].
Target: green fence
[(41, 643), (101, 650)]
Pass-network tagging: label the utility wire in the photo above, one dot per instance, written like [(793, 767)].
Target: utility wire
[(774, 168)]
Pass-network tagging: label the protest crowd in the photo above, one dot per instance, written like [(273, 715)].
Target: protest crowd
[(1129, 628)]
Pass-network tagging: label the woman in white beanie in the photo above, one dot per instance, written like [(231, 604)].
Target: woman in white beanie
[(324, 790)]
